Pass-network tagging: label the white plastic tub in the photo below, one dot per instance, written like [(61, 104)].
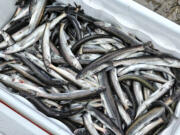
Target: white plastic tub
[(131, 17)]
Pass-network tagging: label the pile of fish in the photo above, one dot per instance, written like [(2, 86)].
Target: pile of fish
[(87, 73)]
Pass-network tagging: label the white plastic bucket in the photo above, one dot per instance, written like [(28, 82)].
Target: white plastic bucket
[(131, 17)]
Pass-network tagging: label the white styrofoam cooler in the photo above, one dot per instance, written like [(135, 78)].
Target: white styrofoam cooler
[(131, 17)]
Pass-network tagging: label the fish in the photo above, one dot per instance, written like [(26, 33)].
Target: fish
[(76, 25), (150, 126), (26, 42), (19, 84), (125, 116), (146, 118), (107, 57), (72, 77), (156, 112), (93, 76), (32, 38), (89, 124), (117, 33), (78, 44), (145, 67), (49, 112), (66, 52), (111, 106), (117, 87), (138, 91), (40, 65), (24, 71), (10, 41), (154, 77), (41, 75), (157, 94), (46, 46), (76, 94), (137, 78), (104, 119), (37, 13), (166, 61)]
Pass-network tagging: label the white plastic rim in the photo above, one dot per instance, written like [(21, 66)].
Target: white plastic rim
[(24, 108), (6, 12)]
